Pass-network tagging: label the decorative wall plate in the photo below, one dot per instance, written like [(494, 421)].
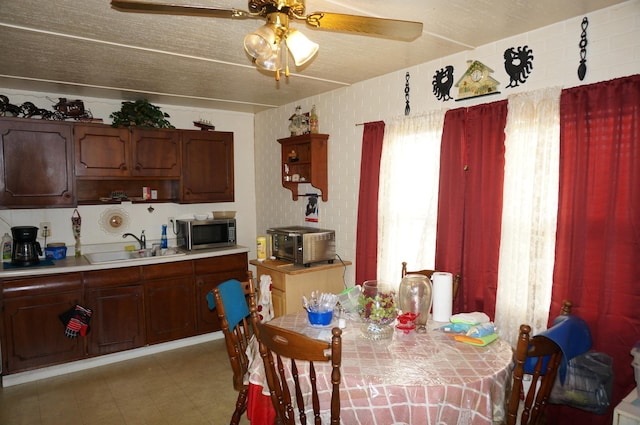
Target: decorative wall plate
[(114, 221)]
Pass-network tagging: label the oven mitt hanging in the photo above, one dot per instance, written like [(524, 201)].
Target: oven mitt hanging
[(76, 321)]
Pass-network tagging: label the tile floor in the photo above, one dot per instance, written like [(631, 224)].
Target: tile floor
[(185, 386)]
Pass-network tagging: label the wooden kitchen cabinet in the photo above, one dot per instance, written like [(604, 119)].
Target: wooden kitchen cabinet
[(117, 301), (209, 273), (207, 172), (169, 301), (155, 152), (101, 151), (305, 158), (290, 282), (34, 335), (105, 151), (36, 164)]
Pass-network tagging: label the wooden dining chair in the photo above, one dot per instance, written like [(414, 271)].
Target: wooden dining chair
[(547, 355), (280, 346), (236, 306), (456, 278)]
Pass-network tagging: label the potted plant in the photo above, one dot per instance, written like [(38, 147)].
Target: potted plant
[(140, 113)]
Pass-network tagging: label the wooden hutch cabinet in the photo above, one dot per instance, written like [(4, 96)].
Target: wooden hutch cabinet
[(304, 160), (36, 163)]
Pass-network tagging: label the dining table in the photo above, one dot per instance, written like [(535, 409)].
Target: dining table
[(411, 378)]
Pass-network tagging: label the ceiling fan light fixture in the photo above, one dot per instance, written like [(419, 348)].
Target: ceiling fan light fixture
[(262, 42), (302, 49), (271, 62)]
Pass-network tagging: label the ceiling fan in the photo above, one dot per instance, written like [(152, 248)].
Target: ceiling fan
[(265, 44)]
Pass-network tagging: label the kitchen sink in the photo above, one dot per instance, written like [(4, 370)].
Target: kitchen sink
[(116, 256)]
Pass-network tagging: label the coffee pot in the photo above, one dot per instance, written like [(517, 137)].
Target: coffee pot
[(26, 250)]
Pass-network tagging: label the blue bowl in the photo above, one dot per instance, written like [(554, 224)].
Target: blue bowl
[(322, 318)]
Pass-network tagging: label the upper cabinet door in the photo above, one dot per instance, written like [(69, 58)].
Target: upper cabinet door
[(36, 164), (155, 152), (208, 172), (101, 151)]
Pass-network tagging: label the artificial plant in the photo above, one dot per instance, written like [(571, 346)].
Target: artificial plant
[(140, 113)]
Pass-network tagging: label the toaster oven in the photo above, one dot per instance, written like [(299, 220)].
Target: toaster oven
[(303, 245)]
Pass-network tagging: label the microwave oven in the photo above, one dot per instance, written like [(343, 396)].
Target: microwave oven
[(303, 245), (203, 234)]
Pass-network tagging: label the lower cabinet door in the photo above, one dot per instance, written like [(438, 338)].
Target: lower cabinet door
[(34, 334), (169, 309), (117, 322)]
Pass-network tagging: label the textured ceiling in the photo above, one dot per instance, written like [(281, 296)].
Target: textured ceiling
[(86, 48)]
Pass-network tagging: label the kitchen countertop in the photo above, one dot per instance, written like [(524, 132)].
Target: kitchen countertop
[(81, 264), (291, 268)]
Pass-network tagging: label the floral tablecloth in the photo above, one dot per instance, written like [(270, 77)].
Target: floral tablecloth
[(411, 379)]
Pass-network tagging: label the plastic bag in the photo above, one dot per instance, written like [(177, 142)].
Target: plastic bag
[(588, 384)]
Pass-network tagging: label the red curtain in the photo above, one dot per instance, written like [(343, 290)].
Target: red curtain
[(598, 238), (470, 202), (367, 231)]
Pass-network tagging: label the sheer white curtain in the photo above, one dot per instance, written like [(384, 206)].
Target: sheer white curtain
[(408, 197), (530, 205)]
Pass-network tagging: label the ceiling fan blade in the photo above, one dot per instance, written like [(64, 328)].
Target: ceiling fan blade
[(390, 28), (178, 9)]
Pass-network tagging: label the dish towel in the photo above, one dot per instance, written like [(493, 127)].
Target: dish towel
[(265, 305)]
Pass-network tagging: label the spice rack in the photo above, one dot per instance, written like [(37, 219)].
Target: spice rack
[(304, 160)]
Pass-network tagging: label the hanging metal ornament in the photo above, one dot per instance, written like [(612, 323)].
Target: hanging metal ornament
[(518, 62), (442, 83), (407, 108), (582, 68)]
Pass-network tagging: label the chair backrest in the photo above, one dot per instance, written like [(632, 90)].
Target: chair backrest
[(545, 355), (237, 321), (280, 346), (456, 279)]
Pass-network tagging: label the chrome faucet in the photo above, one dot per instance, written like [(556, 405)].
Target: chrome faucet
[(142, 240)]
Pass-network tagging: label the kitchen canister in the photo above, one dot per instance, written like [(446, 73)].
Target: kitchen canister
[(262, 248)]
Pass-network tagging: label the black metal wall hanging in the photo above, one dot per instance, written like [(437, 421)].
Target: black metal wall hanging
[(63, 110), (442, 83), (407, 108), (518, 63), (582, 68)]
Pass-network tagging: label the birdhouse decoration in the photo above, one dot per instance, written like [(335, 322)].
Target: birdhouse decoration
[(476, 81)]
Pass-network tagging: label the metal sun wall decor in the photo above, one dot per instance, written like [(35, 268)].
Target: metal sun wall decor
[(582, 68), (518, 63), (407, 108), (442, 83)]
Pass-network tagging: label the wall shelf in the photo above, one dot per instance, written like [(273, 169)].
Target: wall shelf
[(304, 159)]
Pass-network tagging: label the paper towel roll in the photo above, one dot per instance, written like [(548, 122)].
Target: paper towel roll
[(442, 296)]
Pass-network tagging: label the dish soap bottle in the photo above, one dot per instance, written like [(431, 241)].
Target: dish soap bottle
[(164, 243), (7, 247)]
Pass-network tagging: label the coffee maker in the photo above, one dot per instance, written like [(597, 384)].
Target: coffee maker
[(26, 250)]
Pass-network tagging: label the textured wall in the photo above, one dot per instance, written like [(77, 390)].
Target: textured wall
[(613, 51)]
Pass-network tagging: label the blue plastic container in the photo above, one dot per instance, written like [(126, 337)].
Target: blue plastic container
[(55, 252), (322, 318)]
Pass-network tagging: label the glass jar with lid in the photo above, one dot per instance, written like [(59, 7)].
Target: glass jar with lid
[(415, 296)]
